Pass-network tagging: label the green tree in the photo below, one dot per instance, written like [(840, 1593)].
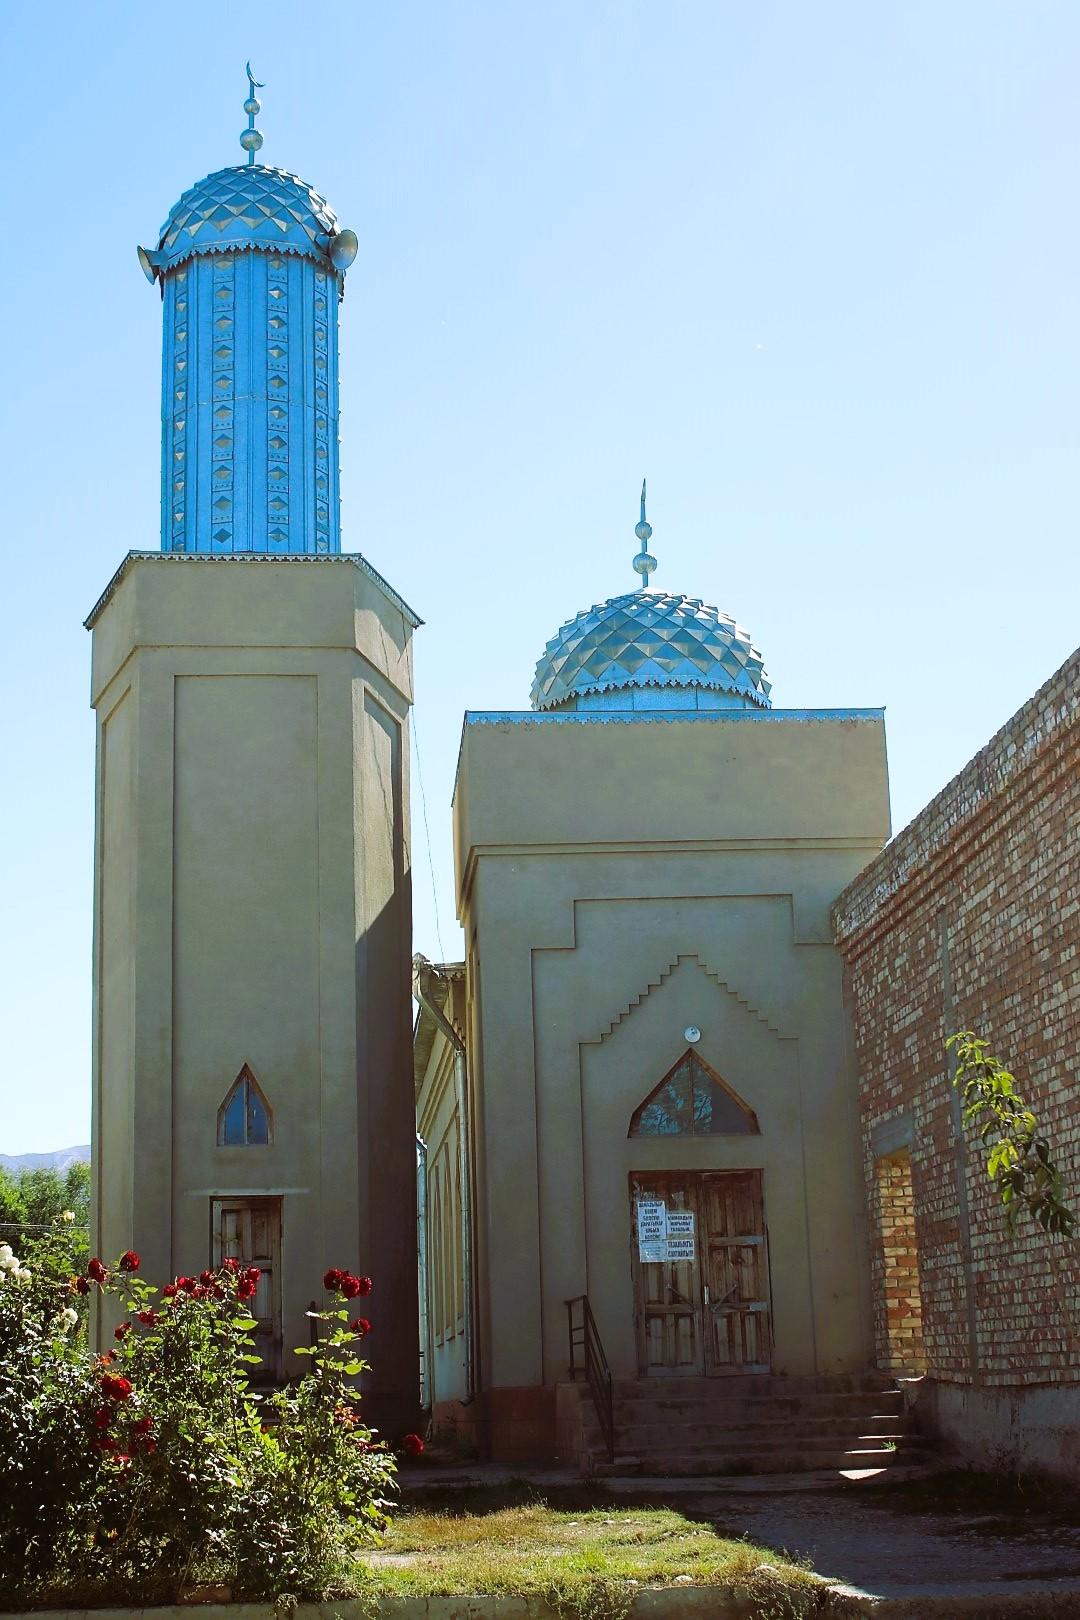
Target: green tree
[(36, 1201), (1018, 1156)]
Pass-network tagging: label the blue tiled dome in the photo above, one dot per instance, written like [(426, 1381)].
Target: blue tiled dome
[(649, 639), (248, 206)]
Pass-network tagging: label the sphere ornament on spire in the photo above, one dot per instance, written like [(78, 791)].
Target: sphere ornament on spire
[(251, 263), (650, 650), (251, 138), (644, 562)]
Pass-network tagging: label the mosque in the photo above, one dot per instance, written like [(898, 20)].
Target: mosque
[(632, 1177)]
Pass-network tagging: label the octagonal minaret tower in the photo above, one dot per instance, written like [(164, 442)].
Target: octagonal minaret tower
[(252, 683), (251, 265)]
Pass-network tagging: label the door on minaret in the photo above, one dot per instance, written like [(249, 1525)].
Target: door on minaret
[(699, 1258), (249, 1230)]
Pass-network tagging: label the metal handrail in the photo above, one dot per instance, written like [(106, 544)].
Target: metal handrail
[(585, 1337)]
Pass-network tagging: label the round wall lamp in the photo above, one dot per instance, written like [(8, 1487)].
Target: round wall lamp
[(692, 1034)]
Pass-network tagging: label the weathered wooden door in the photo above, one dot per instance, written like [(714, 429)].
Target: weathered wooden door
[(704, 1308), (735, 1266), (249, 1230), (667, 1293)]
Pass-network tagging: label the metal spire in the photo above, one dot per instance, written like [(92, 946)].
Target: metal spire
[(251, 138), (644, 562)]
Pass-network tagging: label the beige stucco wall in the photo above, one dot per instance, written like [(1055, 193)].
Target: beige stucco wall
[(618, 883), (253, 906), (438, 1122)]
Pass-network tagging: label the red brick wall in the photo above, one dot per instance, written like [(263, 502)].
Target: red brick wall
[(970, 918)]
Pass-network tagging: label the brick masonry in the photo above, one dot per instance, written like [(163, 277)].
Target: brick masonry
[(970, 919), (898, 1331)]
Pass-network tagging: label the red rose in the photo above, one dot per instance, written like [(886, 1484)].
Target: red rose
[(148, 1318), (122, 1331), (188, 1284), (103, 1417), (332, 1278), (360, 1327), (412, 1445), (252, 1274), (104, 1442), (81, 1285), (349, 1285), (169, 1291), (142, 1425), (115, 1388), (199, 1292), (364, 1286), (96, 1271), (245, 1289), (230, 1265), (149, 1445), (206, 1278), (217, 1292), (129, 1260)]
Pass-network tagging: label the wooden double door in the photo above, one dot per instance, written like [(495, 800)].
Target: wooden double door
[(700, 1264)]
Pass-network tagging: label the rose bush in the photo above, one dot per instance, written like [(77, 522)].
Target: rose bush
[(155, 1467)]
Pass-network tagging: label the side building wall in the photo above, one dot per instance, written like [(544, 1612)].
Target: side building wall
[(970, 919)]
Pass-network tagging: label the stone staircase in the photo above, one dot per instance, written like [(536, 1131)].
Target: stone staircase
[(747, 1425)]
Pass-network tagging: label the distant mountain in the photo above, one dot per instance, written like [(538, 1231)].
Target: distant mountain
[(60, 1159)]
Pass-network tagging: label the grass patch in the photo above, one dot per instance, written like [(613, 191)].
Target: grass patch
[(586, 1562)]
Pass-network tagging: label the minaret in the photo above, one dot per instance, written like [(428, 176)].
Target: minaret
[(251, 264), (252, 683)]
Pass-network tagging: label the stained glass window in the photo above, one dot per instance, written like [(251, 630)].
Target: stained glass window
[(693, 1101), (244, 1118)]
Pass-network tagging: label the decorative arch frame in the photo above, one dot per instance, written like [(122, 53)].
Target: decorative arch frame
[(693, 1100), (245, 1118)]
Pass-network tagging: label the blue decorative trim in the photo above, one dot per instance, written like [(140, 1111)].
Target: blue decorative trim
[(352, 558), (630, 717)]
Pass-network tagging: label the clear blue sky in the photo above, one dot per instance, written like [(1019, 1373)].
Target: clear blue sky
[(813, 269)]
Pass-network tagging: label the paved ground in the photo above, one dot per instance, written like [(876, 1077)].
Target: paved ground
[(857, 1537)]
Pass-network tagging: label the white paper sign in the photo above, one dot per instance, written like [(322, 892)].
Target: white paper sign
[(680, 1248), (680, 1223), (652, 1231)]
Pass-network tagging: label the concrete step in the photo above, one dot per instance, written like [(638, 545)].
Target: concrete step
[(691, 1409), (710, 1462), (668, 1435), (763, 1444), (768, 1384)]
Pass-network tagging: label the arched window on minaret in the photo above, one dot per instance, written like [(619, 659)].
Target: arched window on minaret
[(692, 1100), (244, 1118)]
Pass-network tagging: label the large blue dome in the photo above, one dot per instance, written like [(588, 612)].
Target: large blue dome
[(655, 642), (248, 206)]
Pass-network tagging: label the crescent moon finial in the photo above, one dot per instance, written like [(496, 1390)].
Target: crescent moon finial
[(251, 139)]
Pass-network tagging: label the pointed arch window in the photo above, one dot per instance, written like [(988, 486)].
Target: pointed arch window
[(692, 1100), (244, 1118)]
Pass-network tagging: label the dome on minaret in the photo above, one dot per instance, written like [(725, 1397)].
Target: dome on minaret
[(249, 206), (650, 649)]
